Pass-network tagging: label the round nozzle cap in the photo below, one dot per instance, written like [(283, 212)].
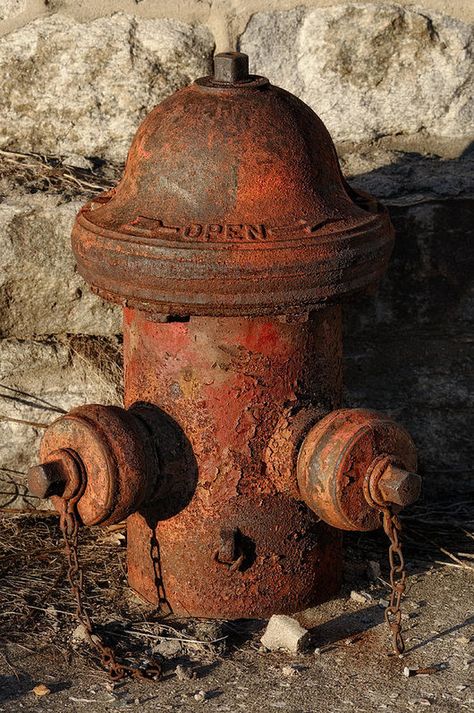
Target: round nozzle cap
[(231, 67)]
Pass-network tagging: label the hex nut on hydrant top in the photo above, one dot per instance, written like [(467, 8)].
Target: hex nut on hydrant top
[(231, 241)]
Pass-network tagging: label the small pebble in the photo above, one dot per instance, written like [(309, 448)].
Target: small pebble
[(41, 690), (284, 632), (289, 671), (358, 597), (183, 673), (168, 648), (200, 696), (409, 615), (80, 634)]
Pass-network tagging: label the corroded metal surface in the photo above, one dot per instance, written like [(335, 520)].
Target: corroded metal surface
[(112, 449), (336, 463), (388, 483), (228, 384), (230, 241), (232, 203)]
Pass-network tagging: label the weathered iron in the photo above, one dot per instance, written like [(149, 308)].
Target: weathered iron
[(352, 461), (230, 242)]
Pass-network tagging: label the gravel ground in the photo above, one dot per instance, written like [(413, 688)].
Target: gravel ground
[(347, 668)]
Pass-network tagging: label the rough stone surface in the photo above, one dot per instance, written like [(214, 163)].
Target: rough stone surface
[(408, 350), (406, 179), (11, 8), (79, 88), (285, 633), (370, 70), (40, 291), (39, 380), (429, 278)]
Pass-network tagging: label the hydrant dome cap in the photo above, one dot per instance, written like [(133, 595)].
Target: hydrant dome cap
[(232, 202)]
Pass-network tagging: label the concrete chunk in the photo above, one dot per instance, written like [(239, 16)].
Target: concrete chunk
[(285, 633)]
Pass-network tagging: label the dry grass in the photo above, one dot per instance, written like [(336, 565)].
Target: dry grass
[(33, 172), (37, 608), (433, 534), (105, 356)]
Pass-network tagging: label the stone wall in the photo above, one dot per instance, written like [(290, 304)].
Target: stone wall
[(393, 83)]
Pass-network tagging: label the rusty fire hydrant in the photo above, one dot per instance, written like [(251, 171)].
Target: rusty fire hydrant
[(230, 242)]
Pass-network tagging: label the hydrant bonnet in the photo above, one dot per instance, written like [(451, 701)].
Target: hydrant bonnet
[(220, 213)]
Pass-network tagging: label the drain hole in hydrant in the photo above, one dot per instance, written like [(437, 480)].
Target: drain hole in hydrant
[(248, 548), (236, 551)]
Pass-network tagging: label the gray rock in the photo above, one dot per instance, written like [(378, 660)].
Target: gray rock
[(290, 671), (169, 648), (285, 633), (403, 179), (370, 70), (79, 635), (184, 673), (11, 8), (40, 291), (358, 597), (70, 87)]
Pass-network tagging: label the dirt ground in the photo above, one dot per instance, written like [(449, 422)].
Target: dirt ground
[(221, 665)]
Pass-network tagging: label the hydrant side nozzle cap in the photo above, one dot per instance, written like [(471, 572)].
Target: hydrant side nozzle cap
[(343, 460)]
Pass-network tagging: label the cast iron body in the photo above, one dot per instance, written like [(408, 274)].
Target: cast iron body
[(230, 242)]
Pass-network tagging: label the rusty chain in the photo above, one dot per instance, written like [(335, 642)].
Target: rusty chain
[(116, 669), (398, 575)]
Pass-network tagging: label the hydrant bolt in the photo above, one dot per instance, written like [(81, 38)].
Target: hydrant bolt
[(45, 480), (230, 67), (398, 486)]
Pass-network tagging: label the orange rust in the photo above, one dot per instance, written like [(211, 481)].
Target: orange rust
[(226, 384), (248, 214), (110, 447), (230, 242), (336, 460)]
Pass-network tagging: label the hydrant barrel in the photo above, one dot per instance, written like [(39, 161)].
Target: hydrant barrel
[(234, 385)]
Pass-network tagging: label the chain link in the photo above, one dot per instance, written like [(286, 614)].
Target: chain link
[(398, 575), (116, 669)]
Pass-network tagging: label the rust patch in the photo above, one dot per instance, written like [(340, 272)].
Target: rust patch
[(335, 463)]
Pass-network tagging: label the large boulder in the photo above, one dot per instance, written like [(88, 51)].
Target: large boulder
[(79, 88), (370, 70)]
